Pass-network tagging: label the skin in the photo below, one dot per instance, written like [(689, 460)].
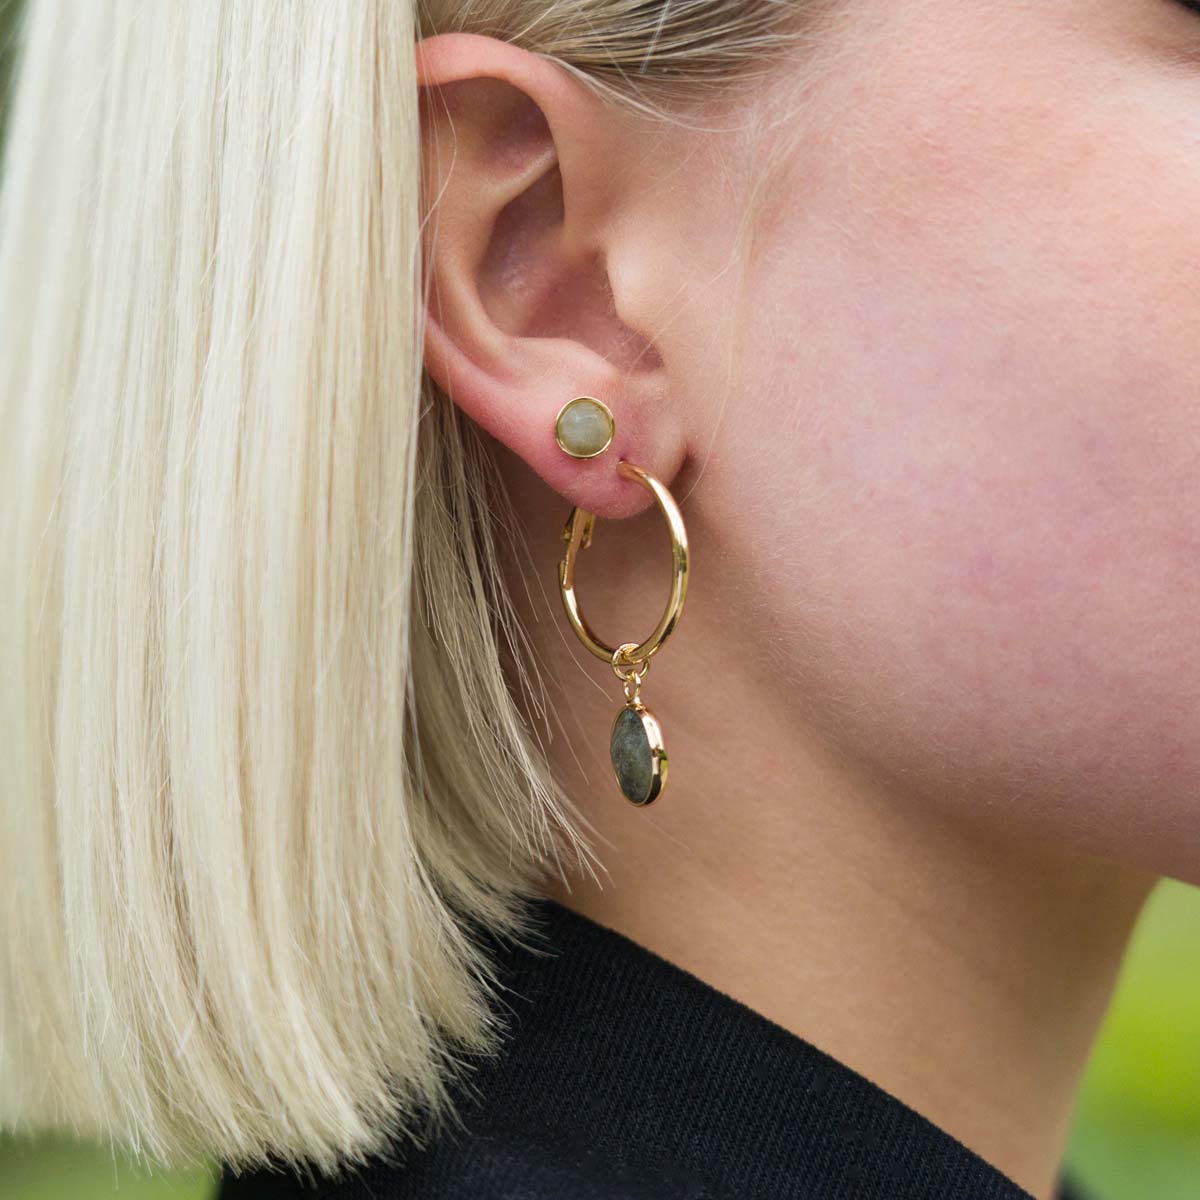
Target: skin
[(933, 707)]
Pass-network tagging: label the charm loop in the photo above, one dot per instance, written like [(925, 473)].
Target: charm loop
[(631, 669), (632, 675)]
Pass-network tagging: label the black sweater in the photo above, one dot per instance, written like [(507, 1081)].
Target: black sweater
[(625, 1077)]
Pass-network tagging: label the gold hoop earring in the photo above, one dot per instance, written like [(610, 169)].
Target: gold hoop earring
[(636, 747)]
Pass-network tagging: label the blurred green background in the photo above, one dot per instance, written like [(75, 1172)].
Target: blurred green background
[(1137, 1129), (1137, 1124)]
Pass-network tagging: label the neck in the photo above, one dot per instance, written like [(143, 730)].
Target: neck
[(962, 968)]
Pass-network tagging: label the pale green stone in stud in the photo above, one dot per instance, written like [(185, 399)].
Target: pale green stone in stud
[(632, 757), (584, 427)]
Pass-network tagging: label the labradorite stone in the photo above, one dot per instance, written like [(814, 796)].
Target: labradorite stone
[(583, 428), (632, 758)]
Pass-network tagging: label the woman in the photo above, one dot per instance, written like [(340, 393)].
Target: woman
[(319, 853)]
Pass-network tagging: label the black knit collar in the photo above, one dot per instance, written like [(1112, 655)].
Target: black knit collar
[(625, 1077)]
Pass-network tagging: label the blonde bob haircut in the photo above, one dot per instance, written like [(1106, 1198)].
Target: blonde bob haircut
[(261, 767)]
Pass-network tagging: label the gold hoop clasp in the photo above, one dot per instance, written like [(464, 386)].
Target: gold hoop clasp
[(577, 534)]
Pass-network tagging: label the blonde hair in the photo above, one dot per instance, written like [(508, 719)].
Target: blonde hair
[(261, 765)]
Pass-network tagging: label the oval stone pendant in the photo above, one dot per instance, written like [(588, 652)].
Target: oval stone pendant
[(639, 758)]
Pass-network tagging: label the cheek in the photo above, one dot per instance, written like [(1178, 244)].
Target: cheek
[(1016, 617), (992, 396)]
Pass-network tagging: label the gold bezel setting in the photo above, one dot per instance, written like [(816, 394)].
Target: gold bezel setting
[(655, 747), (605, 411)]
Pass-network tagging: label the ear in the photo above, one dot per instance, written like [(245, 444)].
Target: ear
[(526, 173)]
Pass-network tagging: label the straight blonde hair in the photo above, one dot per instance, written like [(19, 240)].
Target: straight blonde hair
[(261, 765)]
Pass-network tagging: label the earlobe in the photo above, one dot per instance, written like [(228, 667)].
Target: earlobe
[(523, 185)]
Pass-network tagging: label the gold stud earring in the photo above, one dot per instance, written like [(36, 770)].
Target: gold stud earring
[(636, 746), (584, 427)]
